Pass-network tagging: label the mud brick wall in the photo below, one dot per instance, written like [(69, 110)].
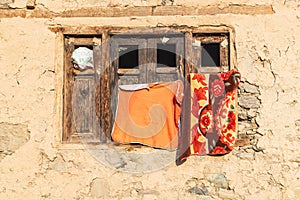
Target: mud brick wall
[(35, 164)]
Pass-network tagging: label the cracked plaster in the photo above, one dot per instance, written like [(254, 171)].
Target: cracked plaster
[(267, 56)]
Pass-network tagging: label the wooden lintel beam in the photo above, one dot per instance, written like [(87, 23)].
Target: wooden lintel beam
[(138, 11)]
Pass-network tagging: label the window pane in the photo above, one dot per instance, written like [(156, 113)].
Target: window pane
[(210, 54), (129, 56), (166, 55)]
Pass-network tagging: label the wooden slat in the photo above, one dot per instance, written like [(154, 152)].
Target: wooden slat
[(143, 62), (112, 103), (224, 55), (166, 70), (88, 30), (83, 104), (154, 11), (128, 71), (86, 138), (190, 63), (128, 80), (164, 77), (82, 41), (97, 88), (151, 60), (210, 39), (106, 116), (174, 10), (213, 69), (119, 40), (85, 72), (180, 54), (68, 125), (43, 12)]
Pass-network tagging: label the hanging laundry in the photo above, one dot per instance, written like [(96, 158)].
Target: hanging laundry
[(211, 128), (82, 58), (149, 114)]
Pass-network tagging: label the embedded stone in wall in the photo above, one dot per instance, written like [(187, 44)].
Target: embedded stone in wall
[(12, 136), (205, 198), (242, 140), (249, 88), (219, 181), (199, 190), (99, 188), (249, 102), (248, 111), (242, 113), (5, 3)]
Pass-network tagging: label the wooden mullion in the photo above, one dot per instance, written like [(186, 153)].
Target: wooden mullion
[(150, 60), (179, 57), (105, 96), (143, 60), (224, 54), (97, 71), (189, 55), (112, 86)]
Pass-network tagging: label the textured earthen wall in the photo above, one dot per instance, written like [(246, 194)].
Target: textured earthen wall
[(34, 165)]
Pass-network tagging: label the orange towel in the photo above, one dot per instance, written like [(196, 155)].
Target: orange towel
[(148, 114)]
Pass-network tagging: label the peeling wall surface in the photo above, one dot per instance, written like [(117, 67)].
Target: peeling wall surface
[(34, 164)]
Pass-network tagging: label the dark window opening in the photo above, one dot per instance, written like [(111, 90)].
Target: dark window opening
[(87, 46), (166, 55), (129, 56), (210, 55)]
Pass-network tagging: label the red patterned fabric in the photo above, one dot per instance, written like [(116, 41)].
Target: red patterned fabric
[(213, 119)]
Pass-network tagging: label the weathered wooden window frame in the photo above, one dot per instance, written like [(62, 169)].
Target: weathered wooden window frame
[(190, 66), (222, 39), (87, 127)]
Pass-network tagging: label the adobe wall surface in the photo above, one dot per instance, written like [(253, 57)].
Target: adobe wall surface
[(34, 165)]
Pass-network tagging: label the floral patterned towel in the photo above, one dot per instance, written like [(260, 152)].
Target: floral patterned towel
[(213, 119)]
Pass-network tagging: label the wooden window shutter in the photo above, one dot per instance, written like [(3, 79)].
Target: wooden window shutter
[(79, 113)]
